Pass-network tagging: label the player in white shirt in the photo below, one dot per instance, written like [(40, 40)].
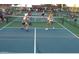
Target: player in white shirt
[(25, 21)]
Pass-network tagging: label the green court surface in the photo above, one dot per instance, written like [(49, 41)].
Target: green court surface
[(8, 19), (71, 25), (16, 22), (58, 38), (74, 27), (35, 24)]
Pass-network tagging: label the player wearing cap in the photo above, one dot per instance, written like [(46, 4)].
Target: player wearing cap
[(25, 22)]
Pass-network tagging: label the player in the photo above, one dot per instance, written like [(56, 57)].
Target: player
[(43, 13), (1, 16), (75, 20), (50, 20), (25, 22), (36, 10), (29, 14)]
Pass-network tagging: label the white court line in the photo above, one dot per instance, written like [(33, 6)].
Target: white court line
[(7, 25), (14, 27), (37, 28), (47, 27), (58, 28), (19, 27), (34, 40), (69, 31)]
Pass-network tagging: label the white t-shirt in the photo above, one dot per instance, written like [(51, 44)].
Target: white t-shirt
[(25, 19)]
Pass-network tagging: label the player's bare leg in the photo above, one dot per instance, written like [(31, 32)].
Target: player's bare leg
[(49, 23), (27, 27)]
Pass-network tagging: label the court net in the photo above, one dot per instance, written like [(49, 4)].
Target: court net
[(66, 20), (72, 21), (36, 21), (31, 18)]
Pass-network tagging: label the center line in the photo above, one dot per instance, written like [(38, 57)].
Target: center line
[(34, 40)]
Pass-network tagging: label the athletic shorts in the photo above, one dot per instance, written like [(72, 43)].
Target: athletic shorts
[(23, 23), (43, 14), (1, 17)]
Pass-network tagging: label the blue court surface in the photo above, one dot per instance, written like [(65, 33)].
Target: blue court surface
[(18, 40), (56, 41)]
